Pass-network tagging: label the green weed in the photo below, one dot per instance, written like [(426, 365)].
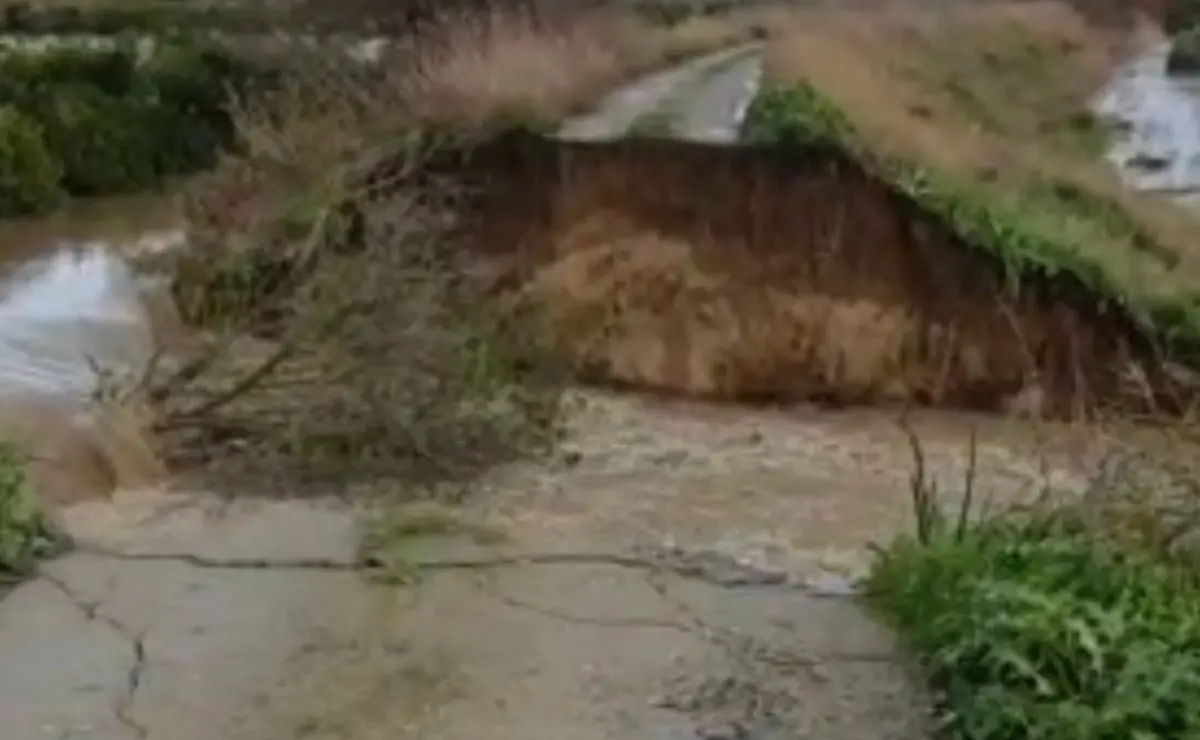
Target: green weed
[(1034, 624), (25, 536)]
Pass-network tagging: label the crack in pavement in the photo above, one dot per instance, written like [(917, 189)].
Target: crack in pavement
[(781, 659), (657, 565), (707, 567), (91, 611)]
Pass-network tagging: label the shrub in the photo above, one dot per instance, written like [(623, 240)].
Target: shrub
[(24, 534), (29, 172), (1032, 626), (29, 76), (116, 125), (104, 142), (1184, 57)]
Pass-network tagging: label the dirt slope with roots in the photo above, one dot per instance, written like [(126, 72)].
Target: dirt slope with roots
[(772, 274)]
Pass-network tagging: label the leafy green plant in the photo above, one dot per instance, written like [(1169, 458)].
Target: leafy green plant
[(29, 172), (1032, 624), (28, 75), (100, 139), (1184, 57), (25, 536)]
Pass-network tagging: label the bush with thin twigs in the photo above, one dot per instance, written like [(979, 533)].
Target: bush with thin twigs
[(1184, 57), (353, 349), (1050, 621), (333, 361)]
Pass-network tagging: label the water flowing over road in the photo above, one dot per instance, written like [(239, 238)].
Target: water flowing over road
[(681, 572)]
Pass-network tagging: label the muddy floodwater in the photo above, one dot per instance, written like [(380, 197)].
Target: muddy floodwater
[(73, 312)]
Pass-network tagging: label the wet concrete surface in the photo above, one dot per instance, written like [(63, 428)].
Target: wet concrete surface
[(99, 648)]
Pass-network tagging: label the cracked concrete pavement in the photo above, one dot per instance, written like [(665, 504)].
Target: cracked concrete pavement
[(257, 623), (105, 649), (680, 573)]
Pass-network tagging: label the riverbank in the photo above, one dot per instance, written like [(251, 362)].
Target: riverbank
[(1016, 169), (1067, 615)]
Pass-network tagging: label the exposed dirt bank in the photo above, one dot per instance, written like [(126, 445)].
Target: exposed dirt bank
[(784, 274)]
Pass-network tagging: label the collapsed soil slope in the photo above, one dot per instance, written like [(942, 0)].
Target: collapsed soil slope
[(772, 273)]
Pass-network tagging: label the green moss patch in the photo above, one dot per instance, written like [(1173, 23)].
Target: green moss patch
[(1034, 227)]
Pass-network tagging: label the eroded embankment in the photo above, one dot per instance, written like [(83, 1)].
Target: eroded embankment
[(783, 274)]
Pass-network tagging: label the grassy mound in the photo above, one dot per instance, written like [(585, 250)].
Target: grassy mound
[(1048, 622), (981, 116)]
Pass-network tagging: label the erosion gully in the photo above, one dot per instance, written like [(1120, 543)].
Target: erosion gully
[(695, 569)]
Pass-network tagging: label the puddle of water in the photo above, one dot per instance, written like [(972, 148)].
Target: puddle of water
[(1159, 116)]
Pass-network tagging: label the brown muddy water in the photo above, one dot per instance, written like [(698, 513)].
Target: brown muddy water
[(75, 323)]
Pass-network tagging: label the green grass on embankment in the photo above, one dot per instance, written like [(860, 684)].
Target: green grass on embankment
[(1040, 229), (981, 117)]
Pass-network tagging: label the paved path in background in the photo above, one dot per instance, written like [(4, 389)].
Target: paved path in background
[(703, 100)]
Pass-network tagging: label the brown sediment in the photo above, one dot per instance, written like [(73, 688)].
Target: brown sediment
[(76, 454), (782, 275)]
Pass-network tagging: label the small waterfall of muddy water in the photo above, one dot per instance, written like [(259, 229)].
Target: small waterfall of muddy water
[(71, 305)]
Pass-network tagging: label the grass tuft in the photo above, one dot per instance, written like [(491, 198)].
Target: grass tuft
[(1038, 623)]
